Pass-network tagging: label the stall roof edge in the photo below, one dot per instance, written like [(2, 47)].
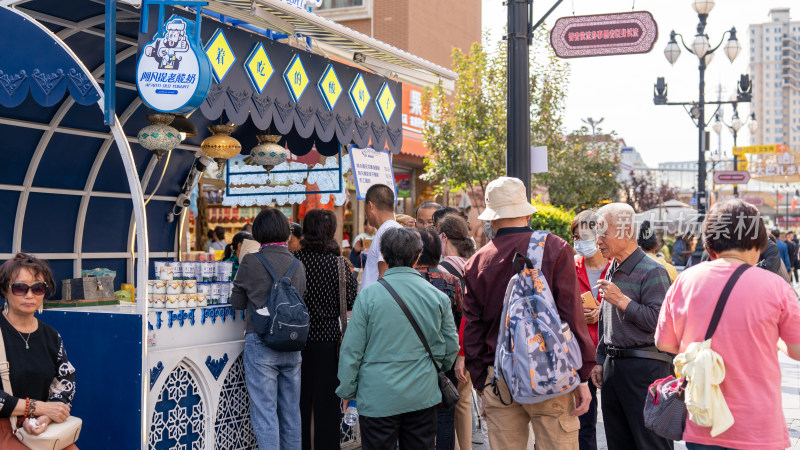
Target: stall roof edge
[(335, 38)]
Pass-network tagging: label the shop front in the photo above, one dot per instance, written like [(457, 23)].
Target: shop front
[(84, 186)]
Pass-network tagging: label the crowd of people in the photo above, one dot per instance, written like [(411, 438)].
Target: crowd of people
[(429, 300)]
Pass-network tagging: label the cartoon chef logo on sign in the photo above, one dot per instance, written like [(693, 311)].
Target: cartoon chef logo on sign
[(174, 73)]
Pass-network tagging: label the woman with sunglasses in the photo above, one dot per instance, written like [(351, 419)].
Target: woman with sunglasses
[(42, 379)]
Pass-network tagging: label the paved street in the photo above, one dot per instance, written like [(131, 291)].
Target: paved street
[(790, 386)]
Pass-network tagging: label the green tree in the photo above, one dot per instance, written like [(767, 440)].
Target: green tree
[(582, 172), (466, 130)]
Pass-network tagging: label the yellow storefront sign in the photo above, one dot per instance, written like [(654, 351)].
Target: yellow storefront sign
[(259, 68), (220, 54), (329, 87), (296, 78), (757, 149), (359, 95)]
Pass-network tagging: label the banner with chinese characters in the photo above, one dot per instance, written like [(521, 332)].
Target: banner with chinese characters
[(604, 34), (307, 98), (776, 167)]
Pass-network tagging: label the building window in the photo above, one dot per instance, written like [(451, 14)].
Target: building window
[(342, 10)]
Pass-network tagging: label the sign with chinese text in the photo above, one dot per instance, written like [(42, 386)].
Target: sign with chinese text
[(329, 87), (371, 167), (776, 167), (173, 73), (412, 109), (220, 54), (604, 35), (731, 177), (758, 149), (359, 95), (296, 78), (259, 68)]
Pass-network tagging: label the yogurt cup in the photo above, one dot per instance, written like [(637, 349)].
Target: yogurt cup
[(151, 285), (214, 297), (188, 269), (171, 300), (201, 300), (191, 300), (225, 292), (159, 287), (166, 273), (189, 286), (183, 300), (158, 301), (224, 271), (208, 270), (176, 269), (174, 287)]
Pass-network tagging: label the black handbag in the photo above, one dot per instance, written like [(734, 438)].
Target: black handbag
[(449, 392), (665, 408)]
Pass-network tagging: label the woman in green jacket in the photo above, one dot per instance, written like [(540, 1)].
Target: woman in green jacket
[(382, 362)]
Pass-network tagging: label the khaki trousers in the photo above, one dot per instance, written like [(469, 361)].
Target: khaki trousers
[(553, 425), (464, 415)]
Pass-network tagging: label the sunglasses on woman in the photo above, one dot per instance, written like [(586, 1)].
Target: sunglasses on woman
[(19, 289)]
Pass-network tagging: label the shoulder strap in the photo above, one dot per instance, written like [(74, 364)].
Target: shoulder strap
[(410, 319), (5, 375), (723, 299), (452, 270), (342, 269), (271, 271)]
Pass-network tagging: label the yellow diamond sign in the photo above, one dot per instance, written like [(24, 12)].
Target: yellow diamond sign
[(385, 103), (359, 95), (220, 54), (296, 78), (259, 68), (329, 87)]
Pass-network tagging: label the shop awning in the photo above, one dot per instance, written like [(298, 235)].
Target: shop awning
[(337, 40)]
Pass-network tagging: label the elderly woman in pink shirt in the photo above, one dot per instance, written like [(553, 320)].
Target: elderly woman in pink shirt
[(762, 314)]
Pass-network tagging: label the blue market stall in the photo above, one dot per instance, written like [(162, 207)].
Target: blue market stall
[(79, 188)]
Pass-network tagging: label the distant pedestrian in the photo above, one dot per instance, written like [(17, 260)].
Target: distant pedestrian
[(294, 237), (383, 363), (555, 421), (424, 215), (358, 257), (591, 267), (428, 266), (649, 243), (458, 248), (273, 377), (380, 214), (627, 358), (770, 257), (233, 251), (320, 257), (219, 241), (761, 314)]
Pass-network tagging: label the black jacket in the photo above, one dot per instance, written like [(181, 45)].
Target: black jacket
[(770, 258)]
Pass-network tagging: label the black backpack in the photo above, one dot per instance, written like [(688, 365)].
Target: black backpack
[(285, 328)]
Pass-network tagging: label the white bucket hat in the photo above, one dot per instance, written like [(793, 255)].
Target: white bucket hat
[(506, 199)]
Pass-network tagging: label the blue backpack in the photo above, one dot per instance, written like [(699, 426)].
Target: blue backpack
[(536, 354), (283, 321)]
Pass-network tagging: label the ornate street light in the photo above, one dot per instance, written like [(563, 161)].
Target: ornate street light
[(753, 125), (704, 51)]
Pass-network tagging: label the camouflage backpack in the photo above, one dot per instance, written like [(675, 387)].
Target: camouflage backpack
[(536, 353)]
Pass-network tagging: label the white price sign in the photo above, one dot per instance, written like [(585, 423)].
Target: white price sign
[(371, 167)]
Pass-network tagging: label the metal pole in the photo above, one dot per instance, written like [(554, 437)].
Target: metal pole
[(518, 151), (735, 165), (701, 160)]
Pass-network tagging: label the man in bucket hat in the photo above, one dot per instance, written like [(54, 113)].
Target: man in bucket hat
[(555, 422)]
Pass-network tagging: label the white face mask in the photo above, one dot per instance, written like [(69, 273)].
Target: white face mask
[(587, 249)]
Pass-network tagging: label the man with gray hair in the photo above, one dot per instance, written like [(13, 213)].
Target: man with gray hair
[(627, 358)]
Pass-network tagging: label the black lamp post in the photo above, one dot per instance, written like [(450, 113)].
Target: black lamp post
[(705, 53), (734, 127)]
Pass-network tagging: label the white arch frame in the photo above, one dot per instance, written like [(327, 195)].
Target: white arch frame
[(134, 185)]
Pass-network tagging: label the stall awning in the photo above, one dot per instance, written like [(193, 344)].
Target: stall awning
[(337, 40)]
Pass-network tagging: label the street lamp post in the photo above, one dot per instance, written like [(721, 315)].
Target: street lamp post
[(701, 48), (734, 127)]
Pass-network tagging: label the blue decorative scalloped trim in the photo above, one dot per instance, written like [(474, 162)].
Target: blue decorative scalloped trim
[(154, 373), (215, 366)]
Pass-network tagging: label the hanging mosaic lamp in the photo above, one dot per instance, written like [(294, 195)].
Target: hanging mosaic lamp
[(221, 146), (268, 153), (159, 137)]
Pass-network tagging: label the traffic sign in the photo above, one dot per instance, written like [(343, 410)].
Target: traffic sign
[(754, 149), (731, 177)]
